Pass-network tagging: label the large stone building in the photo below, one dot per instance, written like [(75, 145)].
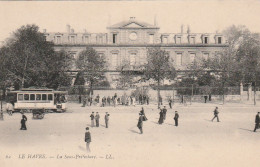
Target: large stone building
[(129, 40)]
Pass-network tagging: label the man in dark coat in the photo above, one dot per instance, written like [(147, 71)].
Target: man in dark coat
[(142, 112), (161, 117), (215, 114), (170, 103), (97, 119), (164, 112), (87, 138), (23, 123), (106, 119), (206, 98), (79, 99), (140, 123), (257, 121), (92, 116), (176, 117)]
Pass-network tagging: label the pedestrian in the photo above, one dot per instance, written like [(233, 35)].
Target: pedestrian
[(97, 119), (106, 119), (79, 99), (92, 116), (161, 117), (170, 103), (108, 100), (142, 112), (84, 101), (215, 114), (140, 123), (98, 98), (147, 100), (257, 121), (176, 117), (140, 99), (206, 98), (164, 112), (9, 108), (160, 100), (87, 138), (23, 122)]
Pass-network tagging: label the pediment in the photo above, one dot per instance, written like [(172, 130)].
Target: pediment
[(133, 25)]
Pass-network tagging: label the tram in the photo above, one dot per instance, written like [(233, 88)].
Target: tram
[(28, 99)]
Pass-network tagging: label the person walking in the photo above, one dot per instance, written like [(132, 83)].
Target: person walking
[(23, 122), (140, 122), (97, 119), (164, 112), (161, 117), (92, 116), (205, 98), (215, 114), (106, 119), (257, 121), (142, 112), (79, 99), (87, 138), (170, 103), (176, 117)]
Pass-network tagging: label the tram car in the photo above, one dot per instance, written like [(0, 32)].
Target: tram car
[(28, 100)]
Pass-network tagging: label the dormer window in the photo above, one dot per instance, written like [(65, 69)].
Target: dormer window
[(205, 38), (219, 40), (151, 38), (164, 39), (58, 39), (72, 39), (86, 39), (191, 39), (114, 38), (178, 39)]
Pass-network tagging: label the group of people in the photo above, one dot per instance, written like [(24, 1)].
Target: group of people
[(95, 119), (163, 113)]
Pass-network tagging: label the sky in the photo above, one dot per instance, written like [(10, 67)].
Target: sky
[(202, 16)]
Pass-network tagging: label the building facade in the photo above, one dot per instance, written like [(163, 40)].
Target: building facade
[(128, 41)]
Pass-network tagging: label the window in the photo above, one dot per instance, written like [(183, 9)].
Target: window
[(132, 59), (86, 39), (38, 97), (219, 40), (73, 39), (192, 57), (32, 96), (114, 38), (178, 40), (192, 40), (49, 96), (206, 40), (179, 59), (114, 59), (165, 40), (26, 96), (44, 97), (58, 39), (151, 38), (205, 56), (20, 97)]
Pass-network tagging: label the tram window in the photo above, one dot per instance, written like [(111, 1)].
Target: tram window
[(32, 96), (26, 96), (20, 97), (44, 97), (38, 97), (49, 96)]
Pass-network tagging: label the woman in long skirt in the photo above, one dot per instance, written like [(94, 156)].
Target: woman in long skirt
[(161, 117)]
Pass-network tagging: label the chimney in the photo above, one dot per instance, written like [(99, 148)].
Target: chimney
[(188, 29), (68, 28), (182, 28), (155, 20), (44, 30), (72, 30), (132, 18)]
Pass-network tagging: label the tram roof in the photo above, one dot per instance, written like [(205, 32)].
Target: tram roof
[(30, 90)]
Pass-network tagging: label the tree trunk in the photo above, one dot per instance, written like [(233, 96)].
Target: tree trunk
[(158, 91)]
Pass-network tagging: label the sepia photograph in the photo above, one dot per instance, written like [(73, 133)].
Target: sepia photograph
[(128, 83)]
